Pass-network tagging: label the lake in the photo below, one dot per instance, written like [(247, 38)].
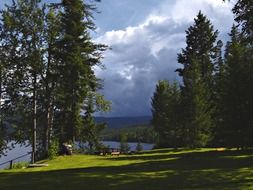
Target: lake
[(19, 150), (113, 144)]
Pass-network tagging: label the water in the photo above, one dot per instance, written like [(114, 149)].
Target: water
[(20, 150), (113, 144)]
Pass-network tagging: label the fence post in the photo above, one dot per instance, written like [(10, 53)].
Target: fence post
[(11, 164)]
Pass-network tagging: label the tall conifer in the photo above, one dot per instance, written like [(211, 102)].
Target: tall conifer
[(77, 55), (165, 110), (197, 72)]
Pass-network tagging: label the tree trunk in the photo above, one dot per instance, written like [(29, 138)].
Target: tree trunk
[(34, 118), (51, 121), (2, 141), (49, 127), (1, 113), (46, 137)]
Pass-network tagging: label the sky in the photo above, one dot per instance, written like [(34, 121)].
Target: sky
[(145, 37)]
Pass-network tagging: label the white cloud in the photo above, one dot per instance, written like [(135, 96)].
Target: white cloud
[(186, 10), (147, 52)]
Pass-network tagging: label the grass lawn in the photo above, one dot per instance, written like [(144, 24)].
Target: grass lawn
[(157, 169)]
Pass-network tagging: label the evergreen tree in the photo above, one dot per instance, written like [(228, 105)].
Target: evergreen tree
[(197, 72), (218, 58), (216, 91), (77, 54), (90, 132), (243, 16), (233, 105), (139, 147), (124, 146), (159, 110), (243, 11), (165, 109), (199, 125), (200, 39)]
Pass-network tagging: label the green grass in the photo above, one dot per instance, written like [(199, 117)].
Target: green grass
[(151, 170)]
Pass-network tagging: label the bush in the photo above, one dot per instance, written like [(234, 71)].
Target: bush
[(53, 149), (20, 165), (139, 147), (124, 146)]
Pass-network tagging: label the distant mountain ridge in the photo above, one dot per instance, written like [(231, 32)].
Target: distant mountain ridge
[(120, 122)]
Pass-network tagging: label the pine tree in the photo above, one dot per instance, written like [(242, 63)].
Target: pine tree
[(165, 109), (159, 110), (216, 91), (232, 104), (197, 72), (77, 54), (139, 147), (91, 130), (243, 16), (200, 123), (124, 146), (243, 11)]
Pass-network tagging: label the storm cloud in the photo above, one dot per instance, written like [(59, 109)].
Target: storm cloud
[(142, 54)]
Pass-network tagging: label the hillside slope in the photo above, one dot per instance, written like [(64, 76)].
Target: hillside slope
[(120, 122)]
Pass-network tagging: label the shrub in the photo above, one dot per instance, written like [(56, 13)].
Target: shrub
[(53, 149), (20, 165), (139, 147), (124, 146)]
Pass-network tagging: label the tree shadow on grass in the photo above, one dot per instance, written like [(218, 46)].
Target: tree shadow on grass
[(201, 170), (186, 155)]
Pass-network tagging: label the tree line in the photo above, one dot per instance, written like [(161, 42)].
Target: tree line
[(135, 133), (213, 104), (48, 88)]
